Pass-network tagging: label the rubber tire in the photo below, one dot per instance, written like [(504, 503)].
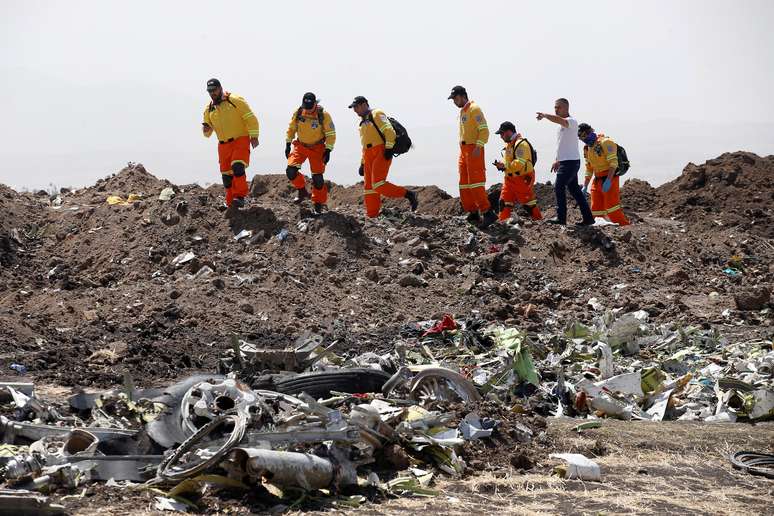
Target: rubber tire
[(320, 385)]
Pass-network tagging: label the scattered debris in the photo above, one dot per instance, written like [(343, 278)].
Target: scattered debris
[(577, 466), (166, 194), (754, 463)]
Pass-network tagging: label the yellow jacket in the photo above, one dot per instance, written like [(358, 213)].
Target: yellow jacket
[(309, 130), (518, 158), (369, 136), (231, 118), (601, 157), (473, 128)]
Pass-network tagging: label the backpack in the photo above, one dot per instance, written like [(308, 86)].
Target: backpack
[(402, 141), (227, 99), (531, 150), (320, 115), (623, 162)]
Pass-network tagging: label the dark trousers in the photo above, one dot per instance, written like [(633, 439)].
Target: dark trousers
[(567, 178)]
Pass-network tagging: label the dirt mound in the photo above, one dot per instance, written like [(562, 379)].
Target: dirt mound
[(16, 213), (735, 189), (173, 279), (131, 179), (638, 195), (268, 187)]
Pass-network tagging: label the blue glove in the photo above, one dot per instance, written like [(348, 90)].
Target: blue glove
[(585, 189), (607, 184)]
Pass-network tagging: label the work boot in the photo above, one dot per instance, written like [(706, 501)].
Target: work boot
[(412, 199), (238, 202), (473, 217), (556, 221), (318, 208), (585, 223), (490, 217), (301, 194)]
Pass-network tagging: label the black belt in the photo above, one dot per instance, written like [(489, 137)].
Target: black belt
[(226, 141), (310, 145)]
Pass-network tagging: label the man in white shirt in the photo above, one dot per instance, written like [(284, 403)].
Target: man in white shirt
[(567, 164)]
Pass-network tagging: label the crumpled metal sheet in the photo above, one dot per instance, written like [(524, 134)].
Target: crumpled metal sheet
[(20, 502)]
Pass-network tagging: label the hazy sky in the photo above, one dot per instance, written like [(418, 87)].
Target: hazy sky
[(89, 86)]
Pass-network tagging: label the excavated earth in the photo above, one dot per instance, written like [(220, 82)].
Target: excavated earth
[(90, 290)]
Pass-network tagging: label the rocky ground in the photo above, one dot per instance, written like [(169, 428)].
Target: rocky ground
[(91, 290)]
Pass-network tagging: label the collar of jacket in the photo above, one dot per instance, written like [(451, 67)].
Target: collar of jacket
[(223, 96)]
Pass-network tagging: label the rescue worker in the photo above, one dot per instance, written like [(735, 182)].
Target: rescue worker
[(474, 134), (377, 137), (601, 154), (236, 127), (566, 164), (519, 180), (315, 137)]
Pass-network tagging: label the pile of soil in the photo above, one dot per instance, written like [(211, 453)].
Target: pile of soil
[(637, 195), (735, 189), (80, 275)]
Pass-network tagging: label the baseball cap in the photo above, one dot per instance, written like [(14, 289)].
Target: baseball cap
[(506, 126), (358, 100), (458, 90), (212, 84)]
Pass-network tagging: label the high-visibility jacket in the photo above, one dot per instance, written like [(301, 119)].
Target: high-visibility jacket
[(518, 158), (231, 118), (601, 157), (309, 129), (473, 128), (369, 136)]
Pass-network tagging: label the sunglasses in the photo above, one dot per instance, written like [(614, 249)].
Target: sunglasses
[(212, 90)]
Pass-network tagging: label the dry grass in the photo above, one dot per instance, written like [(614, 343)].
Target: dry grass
[(647, 468)]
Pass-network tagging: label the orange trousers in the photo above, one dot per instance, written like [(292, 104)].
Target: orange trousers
[(519, 189), (472, 179), (375, 169), (234, 151), (314, 154), (607, 204)]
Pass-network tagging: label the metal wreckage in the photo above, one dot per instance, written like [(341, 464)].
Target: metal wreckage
[(308, 419)]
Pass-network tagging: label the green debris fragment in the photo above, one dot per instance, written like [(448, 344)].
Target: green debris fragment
[(517, 343), (587, 426), (652, 378), (577, 330), (410, 486)]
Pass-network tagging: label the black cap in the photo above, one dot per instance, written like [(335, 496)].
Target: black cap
[(458, 90), (212, 84), (506, 126), (309, 100), (358, 100)]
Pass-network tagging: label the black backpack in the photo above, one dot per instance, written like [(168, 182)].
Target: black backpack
[(531, 150), (623, 162), (227, 99), (320, 115), (402, 141)]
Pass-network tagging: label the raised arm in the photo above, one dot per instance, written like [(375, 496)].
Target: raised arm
[(553, 118)]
